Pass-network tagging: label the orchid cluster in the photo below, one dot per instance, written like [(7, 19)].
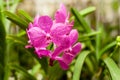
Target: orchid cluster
[(44, 31)]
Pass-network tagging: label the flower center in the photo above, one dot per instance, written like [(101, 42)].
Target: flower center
[(68, 50), (48, 36)]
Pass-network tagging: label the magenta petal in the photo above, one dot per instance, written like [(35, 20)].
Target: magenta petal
[(63, 9), (56, 52), (28, 46), (76, 49), (37, 37), (57, 40), (45, 23), (61, 14), (67, 57), (60, 40), (59, 17), (63, 65), (43, 52), (60, 29), (73, 36), (35, 22), (64, 44), (30, 25)]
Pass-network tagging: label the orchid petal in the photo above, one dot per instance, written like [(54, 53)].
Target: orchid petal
[(43, 52), (30, 25), (45, 23), (59, 17), (73, 36), (76, 48), (56, 52), (67, 57), (37, 37), (35, 22), (62, 41), (60, 29), (63, 9), (67, 16), (57, 40), (65, 43), (63, 65), (61, 14), (28, 46)]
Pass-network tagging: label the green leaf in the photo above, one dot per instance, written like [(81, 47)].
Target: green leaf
[(81, 20), (87, 11), (2, 36), (16, 19), (35, 69), (25, 15), (79, 64), (2, 42), (22, 71), (99, 27), (113, 68), (21, 33), (106, 48), (88, 36), (16, 39), (94, 33), (7, 72)]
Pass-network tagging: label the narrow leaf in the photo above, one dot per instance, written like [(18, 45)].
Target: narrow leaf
[(106, 48), (16, 19), (26, 15), (81, 20), (16, 39), (90, 34), (2, 36), (87, 11), (113, 68), (2, 42), (79, 64)]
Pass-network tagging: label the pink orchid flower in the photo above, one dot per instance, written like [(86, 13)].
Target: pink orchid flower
[(42, 32), (69, 51), (38, 32)]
